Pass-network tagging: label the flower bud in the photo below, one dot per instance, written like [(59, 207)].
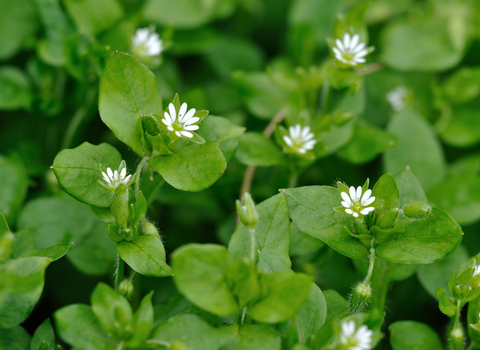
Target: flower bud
[(361, 295), (416, 209), (126, 288), (456, 338), (247, 212), (387, 219), (150, 229)]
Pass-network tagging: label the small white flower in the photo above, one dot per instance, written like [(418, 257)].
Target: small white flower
[(397, 98), (357, 204), (184, 123), (355, 339), (476, 271), (349, 50), (146, 43), (300, 139), (115, 178)]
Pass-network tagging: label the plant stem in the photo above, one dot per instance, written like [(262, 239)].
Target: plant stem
[(119, 270), (371, 264), (324, 96), (138, 174), (253, 244)]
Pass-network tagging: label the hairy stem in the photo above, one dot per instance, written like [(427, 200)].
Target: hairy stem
[(138, 174), (119, 271)]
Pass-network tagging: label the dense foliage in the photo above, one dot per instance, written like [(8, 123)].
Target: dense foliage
[(136, 137)]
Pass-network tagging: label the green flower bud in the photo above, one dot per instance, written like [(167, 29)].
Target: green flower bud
[(150, 229), (6, 246), (416, 209), (456, 338), (387, 219), (126, 288), (247, 212), (360, 297)]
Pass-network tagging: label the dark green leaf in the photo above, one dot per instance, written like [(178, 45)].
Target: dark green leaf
[(252, 336), (128, 90), (463, 85), (146, 255), (192, 168), (272, 235), (15, 89), (311, 209), (463, 128), (258, 150), (13, 187), (411, 335), (204, 268), (417, 147), (15, 338), (386, 189), (54, 253), (77, 326), (312, 315), (78, 172), (142, 322)]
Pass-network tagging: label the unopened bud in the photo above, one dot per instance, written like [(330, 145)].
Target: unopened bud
[(126, 288), (387, 219), (247, 211), (416, 209), (361, 295), (150, 229)]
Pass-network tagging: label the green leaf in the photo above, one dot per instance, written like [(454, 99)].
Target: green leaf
[(13, 188), (112, 310), (411, 335), (258, 150), (437, 275), (386, 189), (204, 268), (463, 128), (243, 279), (312, 315), (409, 187), (18, 24), (128, 90), (77, 171), (62, 220), (286, 294), (422, 241), (15, 338), (223, 133), (272, 235), (252, 336), (262, 97), (15, 89), (190, 330), (146, 255), (142, 322), (367, 143), (417, 147), (192, 168), (77, 326), (3, 225), (54, 253), (459, 195), (420, 46), (92, 17), (44, 337), (311, 209), (463, 85), (21, 284)]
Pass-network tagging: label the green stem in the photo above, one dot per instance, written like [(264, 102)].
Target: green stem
[(138, 174), (293, 180), (119, 271), (371, 264), (253, 244), (379, 282), (324, 96)]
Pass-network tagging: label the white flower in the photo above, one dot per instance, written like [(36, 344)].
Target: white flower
[(146, 43), (356, 339), (349, 50), (397, 98), (115, 178), (357, 204), (300, 139), (183, 124), (476, 271)]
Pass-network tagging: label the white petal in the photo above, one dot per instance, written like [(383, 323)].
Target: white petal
[(301, 150), (115, 175), (142, 34), (369, 201), (288, 140), (355, 215), (336, 52), (183, 110), (309, 144), (106, 178), (346, 41), (178, 133), (354, 42), (364, 212), (305, 131), (191, 127), (346, 197), (168, 119), (348, 328), (359, 48), (346, 205), (352, 193), (349, 211), (189, 116), (170, 128), (366, 195), (191, 120), (361, 54), (358, 195), (173, 112), (127, 179), (123, 172), (339, 45), (110, 173), (187, 134)]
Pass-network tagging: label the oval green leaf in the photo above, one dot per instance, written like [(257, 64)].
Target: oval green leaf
[(411, 335)]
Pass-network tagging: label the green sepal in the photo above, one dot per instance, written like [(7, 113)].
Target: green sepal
[(150, 124), (386, 219), (139, 209), (342, 187), (115, 233), (446, 304), (381, 234), (360, 228), (120, 209), (416, 209)]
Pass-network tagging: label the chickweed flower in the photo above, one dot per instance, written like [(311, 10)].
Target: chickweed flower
[(146, 44), (355, 339), (349, 50), (356, 204), (300, 139), (397, 98), (113, 179), (182, 123)]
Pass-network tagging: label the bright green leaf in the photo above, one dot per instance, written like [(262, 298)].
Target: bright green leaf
[(54, 253), (463, 128), (253, 336), (44, 336), (409, 187), (312, 315), (142, 322), (258, 150), (411, 335)]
